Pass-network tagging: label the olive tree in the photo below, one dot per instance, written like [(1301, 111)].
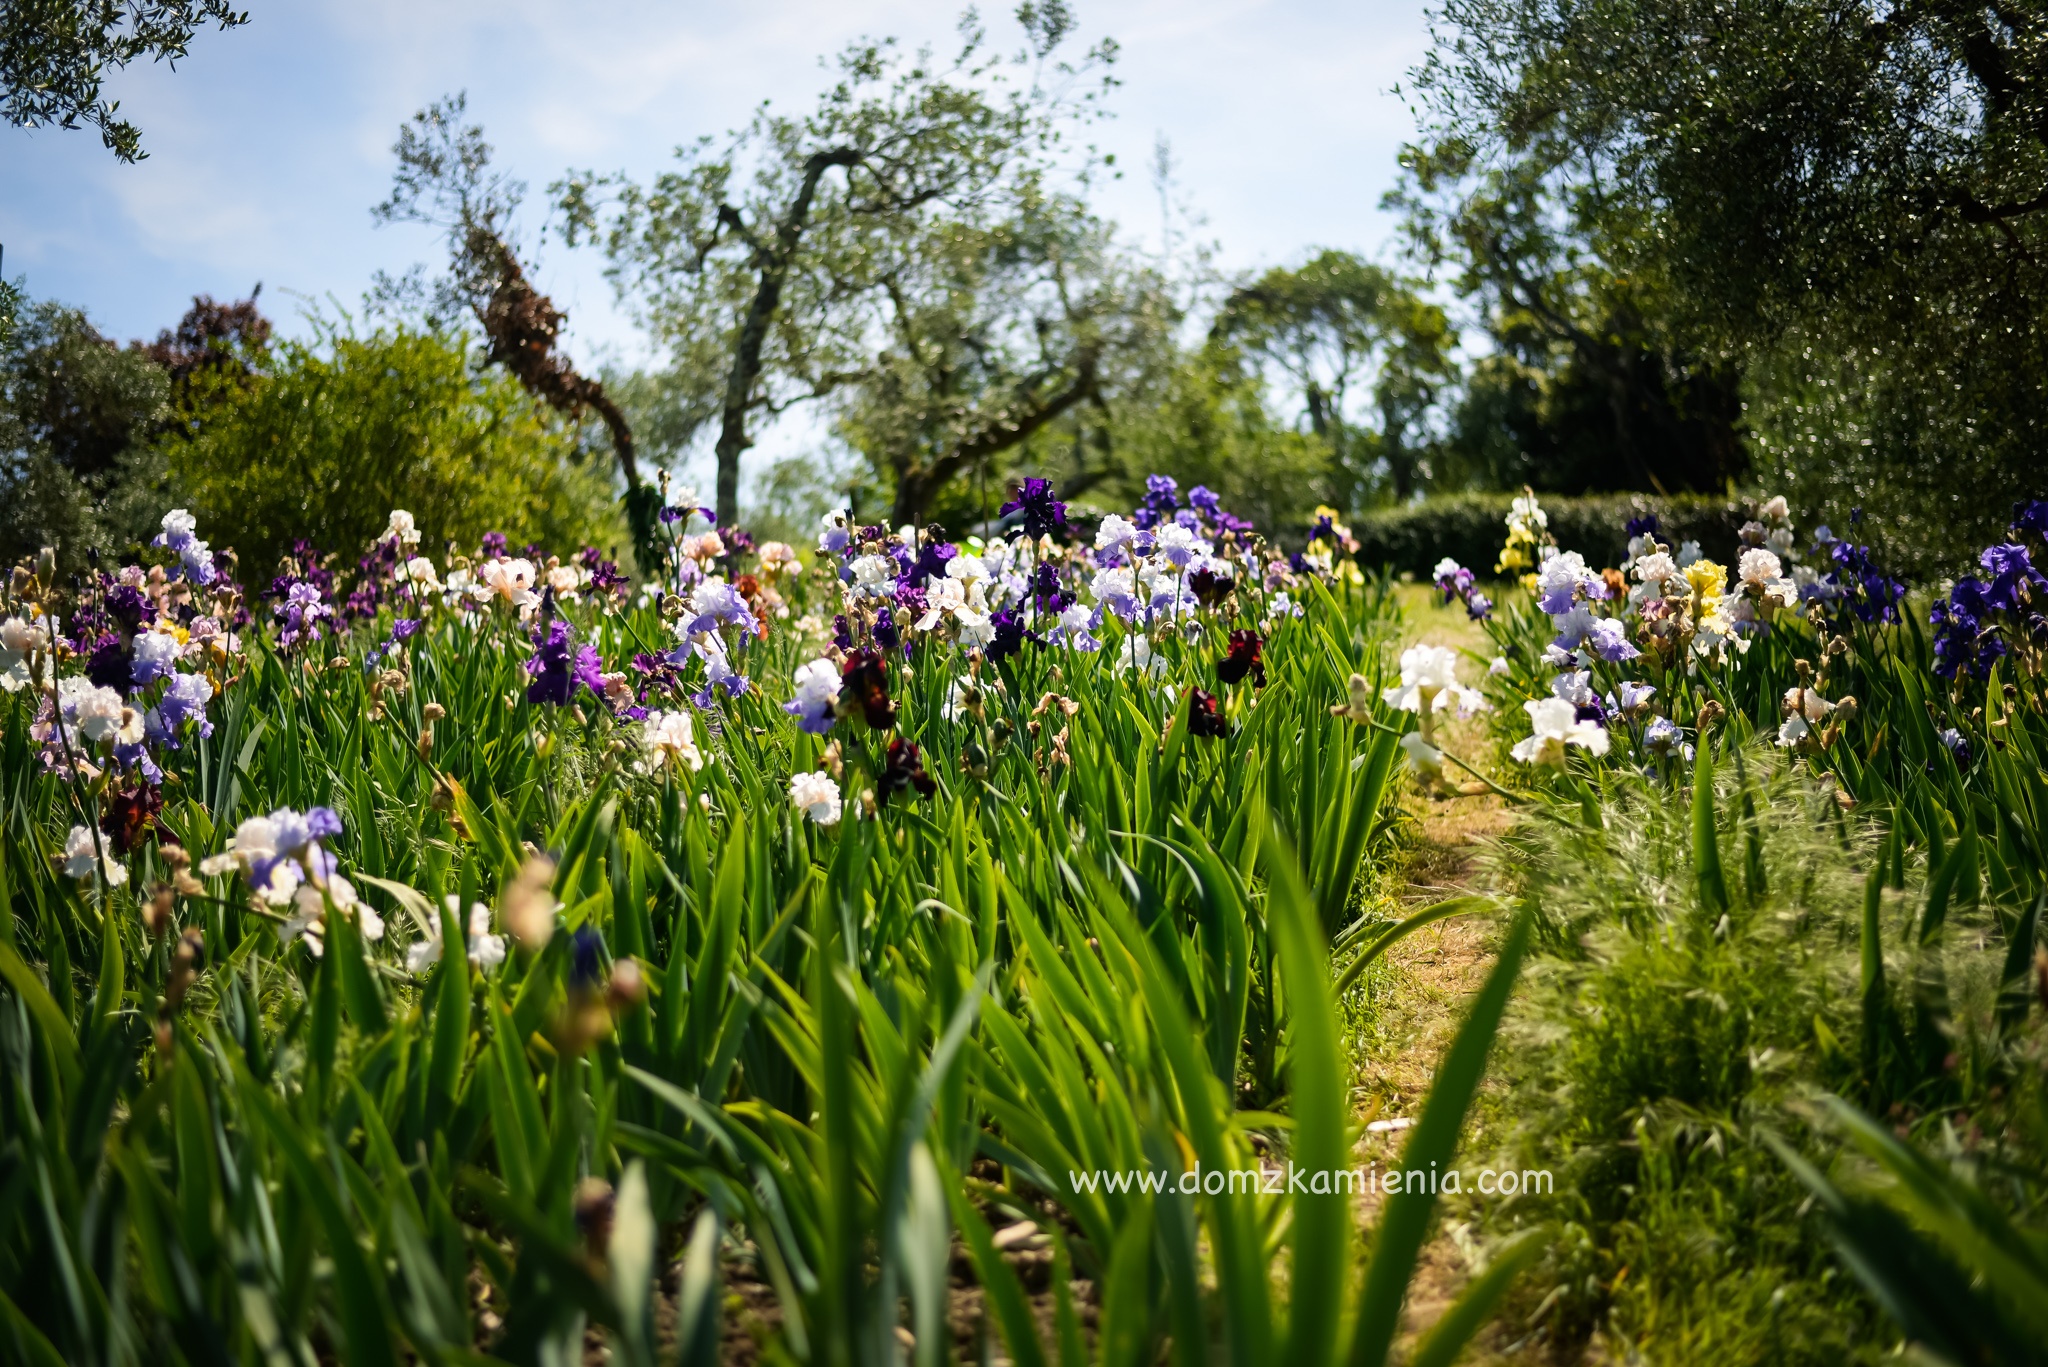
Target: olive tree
[(54, 57), (760, 254)]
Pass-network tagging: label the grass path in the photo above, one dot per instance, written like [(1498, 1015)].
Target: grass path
[(1435, 972)]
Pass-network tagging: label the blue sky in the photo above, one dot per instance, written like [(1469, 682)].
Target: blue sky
[(269, 144)]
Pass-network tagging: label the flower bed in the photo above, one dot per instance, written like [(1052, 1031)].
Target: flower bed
[(466, 953)]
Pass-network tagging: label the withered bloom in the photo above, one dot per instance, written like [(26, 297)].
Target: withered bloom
[(129, 814), (864, 688), (1209, 586), (903, 768), (1246, 656), (1205, 718)]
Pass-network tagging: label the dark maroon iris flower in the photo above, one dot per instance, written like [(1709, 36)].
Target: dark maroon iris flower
[(864, 688), (903, 770), (1246, 657)]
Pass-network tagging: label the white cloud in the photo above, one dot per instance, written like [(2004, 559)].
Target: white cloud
[(270, 143)]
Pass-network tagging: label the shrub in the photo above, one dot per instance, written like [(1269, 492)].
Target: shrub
[(1470, 527), (340, 432)]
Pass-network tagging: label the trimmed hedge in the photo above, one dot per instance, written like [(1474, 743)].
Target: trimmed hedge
[(1470, 528)]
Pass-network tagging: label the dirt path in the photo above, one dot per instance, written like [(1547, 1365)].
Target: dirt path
[(1436, 971)]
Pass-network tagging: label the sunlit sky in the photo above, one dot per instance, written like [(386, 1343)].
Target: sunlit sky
[(268, 145)]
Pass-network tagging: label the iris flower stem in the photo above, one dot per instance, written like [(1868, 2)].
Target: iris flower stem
[(1378, 725), (99, 863)]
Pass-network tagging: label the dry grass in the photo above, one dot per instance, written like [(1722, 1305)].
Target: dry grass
[(1433, 974)]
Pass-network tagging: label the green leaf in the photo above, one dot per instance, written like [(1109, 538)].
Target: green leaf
[(1475, 1305), (1706, 842), (1387, 939), (1318, 1094), (630, 1255)]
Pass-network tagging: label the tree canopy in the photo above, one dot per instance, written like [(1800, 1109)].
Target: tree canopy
[(758, 263), (444, 179), (1845, 203), (55, 55), (77, 415), (1339, 323)]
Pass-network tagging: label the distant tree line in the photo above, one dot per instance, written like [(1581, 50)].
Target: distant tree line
[(1646, 247)]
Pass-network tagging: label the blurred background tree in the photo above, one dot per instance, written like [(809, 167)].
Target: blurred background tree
[(444, 179), (1841, 209), (333, 434), (1337, 326), (77, 418), (757, 260), (1586, 386), (985, 333)]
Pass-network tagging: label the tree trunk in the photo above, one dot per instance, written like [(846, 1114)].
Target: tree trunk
[(772, 260)]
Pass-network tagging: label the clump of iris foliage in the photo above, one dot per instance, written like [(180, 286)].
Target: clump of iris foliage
[(1782, 1043), (462, 954)]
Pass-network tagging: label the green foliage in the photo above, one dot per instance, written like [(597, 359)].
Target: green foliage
[(1937, 473), (740, 1044), (1202, 418), (1337, 322), (995, 326), (815, 251), (54, 54), (1727, 933), (1957, 1274), (1672, 1035), (1843, 202), (77, 415), (1589, 387), (340, 432)]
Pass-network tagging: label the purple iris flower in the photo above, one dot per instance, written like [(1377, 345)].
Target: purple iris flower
[(404, 629), (1010, 635), (1043, 513), (1161, 498), (137, 757), (719, 678), (127, 605), (2012, 576), (154, 654), (298, 835), (1870, 593), (559, 666), (1608, 639), (1632, 696), (185, 700), (931, 561), (1958, 745), (719, 604), (1962, 644), (301, 612), (111, 666)]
